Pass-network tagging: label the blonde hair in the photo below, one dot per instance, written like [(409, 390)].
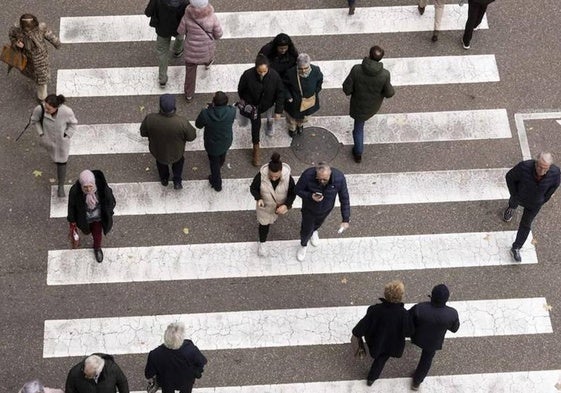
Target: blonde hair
[(394, 291), (174, 335)]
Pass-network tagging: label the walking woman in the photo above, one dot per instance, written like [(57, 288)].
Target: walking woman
[(55, 123), (274, 190), (90, 207), (32, 37), (302, 86), (201, 28)]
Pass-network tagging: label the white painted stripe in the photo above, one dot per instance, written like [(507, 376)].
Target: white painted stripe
[(274, 328), (383, 128), (257, 24), (93, 82), (364, 190), (507, 382), (234, 260), (519, 119)]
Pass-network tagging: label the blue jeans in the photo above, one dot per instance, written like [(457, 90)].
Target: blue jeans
[(358, 137)]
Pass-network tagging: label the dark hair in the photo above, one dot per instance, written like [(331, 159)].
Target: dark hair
[(54, 100), (283, 40), (376, 53), (275, 165), (28, 22), (220, 99), (260, 60)]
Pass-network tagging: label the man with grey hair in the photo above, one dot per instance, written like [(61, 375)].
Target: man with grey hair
[(98, 373), (531, 183)]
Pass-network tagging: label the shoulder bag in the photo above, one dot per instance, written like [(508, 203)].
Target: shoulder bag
[(14, 57), (307, 102)]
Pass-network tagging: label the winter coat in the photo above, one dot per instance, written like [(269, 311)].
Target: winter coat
[(110, 379), (55, 131), (367, 84), (262, 93), (526, 190), (175, 368), (431, 321), (167, 135), (310, 85), (35, 48), (272, 197), (385, 327), (279, 63), (195, 24), (337, 185), (217, 122), (77, 204), (165, 15)]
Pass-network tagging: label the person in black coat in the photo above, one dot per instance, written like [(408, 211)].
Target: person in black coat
[(97, 373), (476, 11), (385, 327), (90, 207), (531, 183), (176, 363), (431, 320)]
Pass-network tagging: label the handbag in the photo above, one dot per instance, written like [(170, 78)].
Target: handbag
[(152, 386), (247, 110), (74, 237), (357, 345), (13, 57), (307, 102)]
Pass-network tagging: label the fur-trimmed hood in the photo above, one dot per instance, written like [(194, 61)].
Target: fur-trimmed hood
[(200, 13)]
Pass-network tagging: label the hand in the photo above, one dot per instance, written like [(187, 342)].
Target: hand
[(290, 100), (461, 3), (19, 44), (260, 203), (282, 209), (317, 197), (343, 227), (277, 116)]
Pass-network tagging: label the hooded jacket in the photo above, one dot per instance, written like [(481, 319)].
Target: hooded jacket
[(199, 25), (165, 15), (431, 321), (217, 122), (280, 62), (110, 379), (526, 190)]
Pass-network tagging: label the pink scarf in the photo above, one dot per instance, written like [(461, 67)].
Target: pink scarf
[(87, 178)]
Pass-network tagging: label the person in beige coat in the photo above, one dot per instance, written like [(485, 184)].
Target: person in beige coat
[(274, 193)]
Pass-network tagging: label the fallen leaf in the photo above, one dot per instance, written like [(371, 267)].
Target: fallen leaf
[(37, 173), (530, 128), (147, 169), (344, 280), (141, 107), (186, 230), (195, 168), (547, 307), (486, 237), (534, 241), (52, 180), (8, 137)]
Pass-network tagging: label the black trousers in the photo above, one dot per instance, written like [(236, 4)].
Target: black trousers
[(423, 367), (525, 225), (310, 223), (475, 15), (185, 389), (377, 367), (176, 168), (256, 129), (263, 233), (216, 163)]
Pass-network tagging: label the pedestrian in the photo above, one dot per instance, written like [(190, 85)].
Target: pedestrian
[(385, 327), (90, 207), (352, 6), (318, 187), (98, 373), (302, 85), (32, 37), (201, 29), (55, 123), (167, 133), (367, 84), (176, 363), (438, 12), (282, 55), (165, 16), (431, 320), (476, 11), (37, 387), (262, 87), (274, 191), (531, 183), (217, 120)]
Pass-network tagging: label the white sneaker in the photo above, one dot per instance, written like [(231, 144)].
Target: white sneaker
[(261, 251), (301, 254), (315, 239)]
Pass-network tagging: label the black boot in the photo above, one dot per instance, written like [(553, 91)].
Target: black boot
[(61, 174)]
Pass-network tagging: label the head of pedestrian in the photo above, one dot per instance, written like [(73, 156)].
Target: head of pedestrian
[(174, 335), (261, 65), (87, 182), (323, 173), (394, 291), (275, 167), (220, 99), (167, 104), (28, 22), (93, 365), (52, 102), (303, 63), (33, 387), (282, 43), (376, 53), (439, 295), (543, 163)]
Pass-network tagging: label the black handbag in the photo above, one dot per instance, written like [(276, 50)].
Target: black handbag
[(152, 386), (247, 110)]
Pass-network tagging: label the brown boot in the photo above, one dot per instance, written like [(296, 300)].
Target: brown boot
[(255, 158)]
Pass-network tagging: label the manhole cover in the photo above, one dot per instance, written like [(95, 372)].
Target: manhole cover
[(315, 144)]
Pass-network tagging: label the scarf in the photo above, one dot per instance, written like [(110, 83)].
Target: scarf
[(87, 178)]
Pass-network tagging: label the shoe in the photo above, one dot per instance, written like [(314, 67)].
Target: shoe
[(98, 255), (299, 130), (178, 54), (352, 10), (415, 386), (261, 251), (369, 382), (60, 192), (177, 186), (516, 254), (434, 36), (421, 9), (269, 128), (162, 84), (301, 254), (207, 66), (357, 158), (508, 214), (164, 182), (188, 99), (291, 133), (315, 239), (466, 47)]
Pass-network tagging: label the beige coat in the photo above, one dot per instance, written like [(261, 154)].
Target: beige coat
[(56, 131), (272, 198)]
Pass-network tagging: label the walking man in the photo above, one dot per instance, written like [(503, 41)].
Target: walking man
[(530, 183), (97, 373), (438, 11), (167, 133), (476, 11), (318, 187), (367, 84), (431, 320)]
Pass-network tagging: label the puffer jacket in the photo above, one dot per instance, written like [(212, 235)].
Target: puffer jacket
[(198, 25)]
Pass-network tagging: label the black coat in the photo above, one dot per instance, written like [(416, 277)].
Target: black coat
[(77, 204), (310, 86), (110, 379), (431, 322), (175, 368), (385, 327), (262, 93), (524, 187), (165, 15), (280, 63)]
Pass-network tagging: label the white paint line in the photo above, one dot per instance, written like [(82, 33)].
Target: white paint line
[(234, 260), (519, 119), (383, 128), (559, 122), (94, 82), (274, 328), (364, 189), (257, 24)]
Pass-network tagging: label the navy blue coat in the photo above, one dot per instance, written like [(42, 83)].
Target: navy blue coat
[(524, 187), (431, 321)]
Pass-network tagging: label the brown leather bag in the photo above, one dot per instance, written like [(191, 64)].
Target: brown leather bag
[(13, 57)]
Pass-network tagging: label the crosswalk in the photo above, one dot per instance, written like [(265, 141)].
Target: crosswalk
[(212, 263)]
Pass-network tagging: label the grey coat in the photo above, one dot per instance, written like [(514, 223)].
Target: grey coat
[(56, 131)]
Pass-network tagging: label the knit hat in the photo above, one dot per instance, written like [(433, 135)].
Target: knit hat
[(167, 103), (199, 3), (440, 294), (303, 60)]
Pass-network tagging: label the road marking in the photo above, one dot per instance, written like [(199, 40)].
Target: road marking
[(383, 128), (365, 190), (274, 328), (138, 81), (257, 24), (519, 119)]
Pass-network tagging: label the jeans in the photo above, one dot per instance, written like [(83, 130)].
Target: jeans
[(310, 223), (377, 367), (162, 48), (525, 225), (358, 137), (216, 163), (423, 367), (475, 15), (176, 168)]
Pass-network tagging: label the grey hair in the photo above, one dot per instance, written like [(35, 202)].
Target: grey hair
[(174, 335), (303, 60), (33, 387), (322, 167), (545, 157), (94, 361)]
